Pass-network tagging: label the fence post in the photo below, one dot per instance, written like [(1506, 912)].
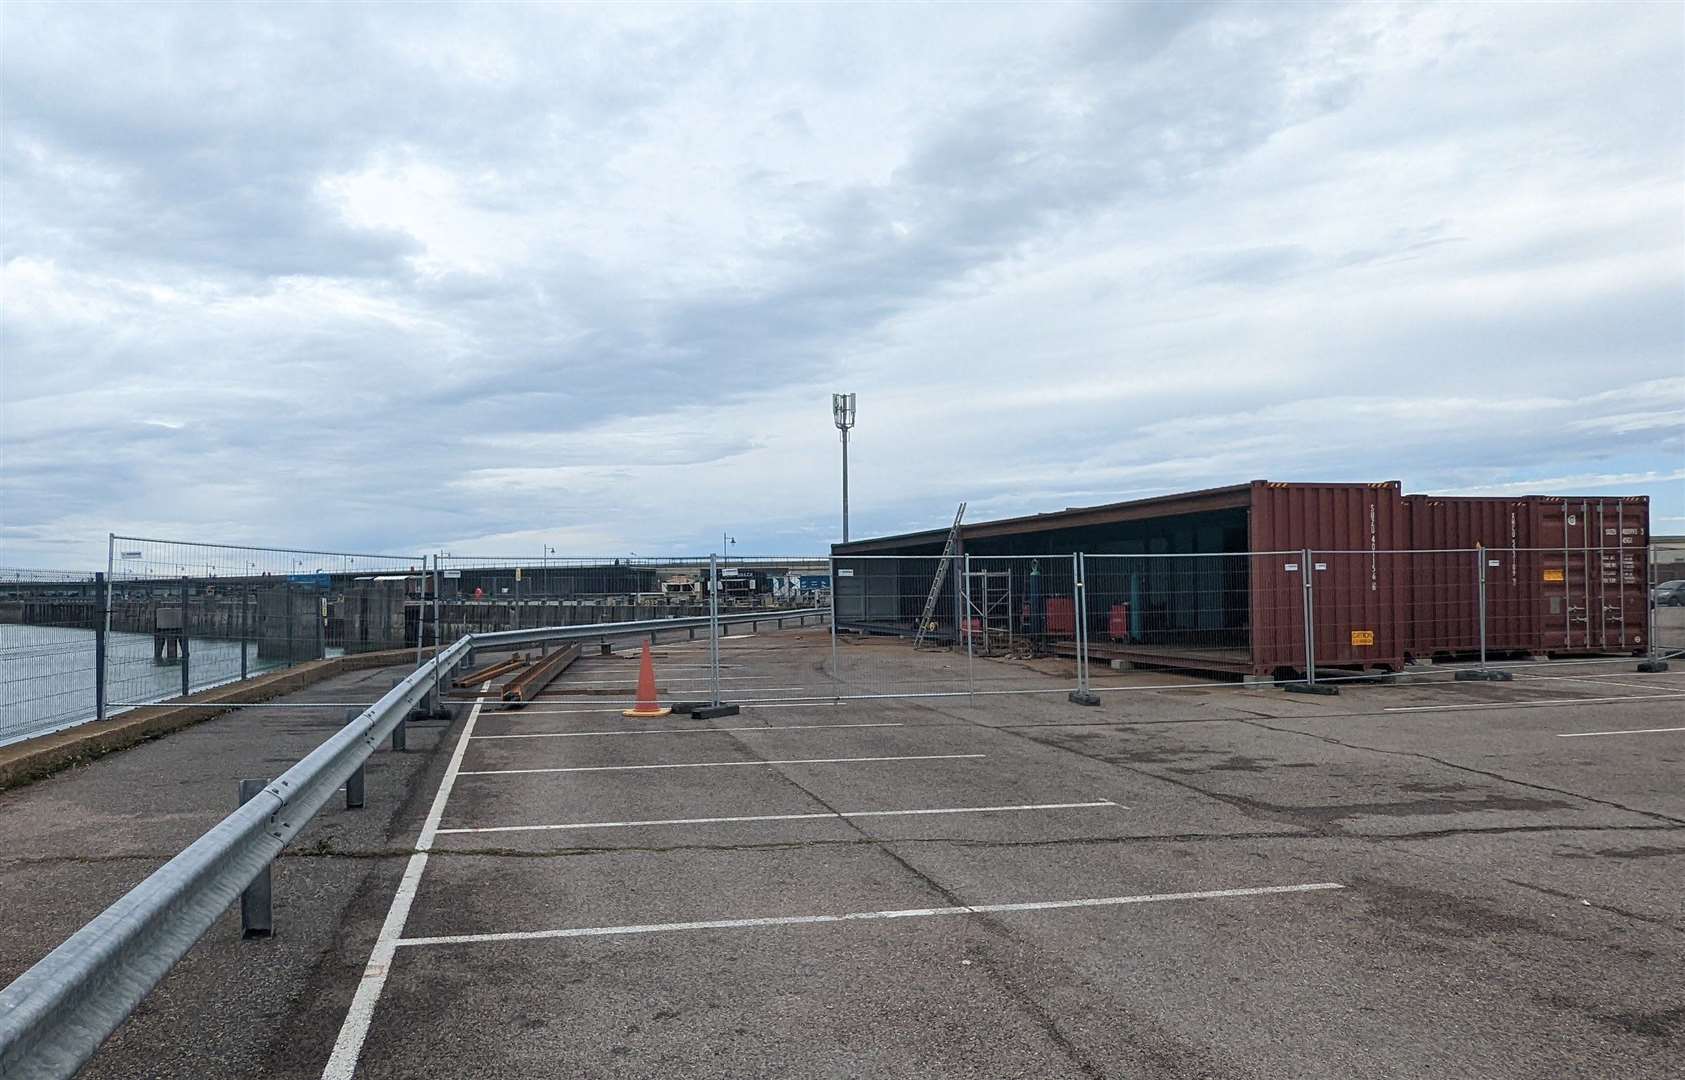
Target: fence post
[(714, 629), (1310, 617), (102, 602), (245, 627), (1653, 660), (836, 672), (287, 591), (105, 620), (438, 643), (320, 603), (257, 916), (1480, 588), (1082, 695), (970, 637), (186, 678)]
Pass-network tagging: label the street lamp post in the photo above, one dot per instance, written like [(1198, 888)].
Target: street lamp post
[(842, 412)]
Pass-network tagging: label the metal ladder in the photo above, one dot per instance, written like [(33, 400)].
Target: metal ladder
[(925, 623)]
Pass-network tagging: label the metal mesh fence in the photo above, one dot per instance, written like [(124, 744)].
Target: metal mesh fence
[(896, 619), (1020, 627), (790, 667), (1667, 598), (186, 616), (48, 654), (1200, 615), (479, 594), (1413, 612)]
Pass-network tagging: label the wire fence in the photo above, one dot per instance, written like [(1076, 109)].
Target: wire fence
[(186, 616), (1666, 577), (48, 664), (480, 594), (177, 617), (1039, 623)]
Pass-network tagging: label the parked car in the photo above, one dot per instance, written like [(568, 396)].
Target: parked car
[(1669, 594)]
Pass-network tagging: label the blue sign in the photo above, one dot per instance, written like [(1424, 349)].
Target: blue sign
[(815, 581), (311, 581)]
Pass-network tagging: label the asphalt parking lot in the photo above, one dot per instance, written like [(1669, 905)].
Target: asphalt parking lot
[(1422, 879), (1400, 881)]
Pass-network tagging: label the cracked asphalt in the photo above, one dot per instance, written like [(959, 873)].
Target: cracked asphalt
[(1510, 902)]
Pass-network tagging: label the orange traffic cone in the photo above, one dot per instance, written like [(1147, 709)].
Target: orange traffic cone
[(646, 705)]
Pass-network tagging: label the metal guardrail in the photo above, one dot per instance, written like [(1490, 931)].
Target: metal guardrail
[(56, 1015)]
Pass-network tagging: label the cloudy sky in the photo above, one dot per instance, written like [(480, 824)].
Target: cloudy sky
[(399, 278)]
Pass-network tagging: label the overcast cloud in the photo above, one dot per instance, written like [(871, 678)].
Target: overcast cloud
[(486, 278)]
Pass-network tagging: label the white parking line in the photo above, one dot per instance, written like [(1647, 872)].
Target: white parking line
[(861, 916), (1634, 731), (716, 764), (632, 679), (689, 730), (1671, 695), (787, 817), (342, 1064), (1600, 680), (616, 709)]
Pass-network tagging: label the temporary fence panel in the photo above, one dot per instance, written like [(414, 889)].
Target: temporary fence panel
[(1022, 622), (50, 629), (185, 616), (1360, 611), (1667, 599), (1194, 613), (773, 659), (879, 604), (482, 594)]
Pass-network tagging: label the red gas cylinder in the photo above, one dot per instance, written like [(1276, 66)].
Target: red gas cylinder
[(1061, 616), (1117, 623)]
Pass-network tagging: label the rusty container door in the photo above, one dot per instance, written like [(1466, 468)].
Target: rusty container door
[(1590, 572), (1358, 537), (1452, 537)]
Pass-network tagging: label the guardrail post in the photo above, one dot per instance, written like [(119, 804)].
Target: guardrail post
[(99, 644), (355, 786), (257, 916), (399, 735), (186, 636)]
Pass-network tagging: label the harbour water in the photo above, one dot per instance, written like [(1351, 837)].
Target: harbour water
[(47, 674)]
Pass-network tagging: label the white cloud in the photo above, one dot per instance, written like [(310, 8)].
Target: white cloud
[(518, 276)]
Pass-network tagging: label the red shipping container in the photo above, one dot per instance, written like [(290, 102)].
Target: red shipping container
[(1563, 574), (1360, 583)]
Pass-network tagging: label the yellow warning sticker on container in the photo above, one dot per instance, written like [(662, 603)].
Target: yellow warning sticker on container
[(1363, 637), (1553, 575)]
